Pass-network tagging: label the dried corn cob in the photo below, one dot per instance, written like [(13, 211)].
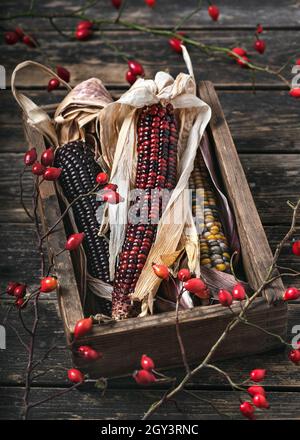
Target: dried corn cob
[(156, 169), (79, 177), (214, 249)]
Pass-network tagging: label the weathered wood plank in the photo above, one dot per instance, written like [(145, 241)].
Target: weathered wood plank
[(254, 128), (167, 14), (121, 405), (281, 372), (95, 58)]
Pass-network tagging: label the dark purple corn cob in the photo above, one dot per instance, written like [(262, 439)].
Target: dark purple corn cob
[(79, 171), (157, 139)]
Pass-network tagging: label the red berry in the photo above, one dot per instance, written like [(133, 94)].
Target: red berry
[(11, 287), (292, 293), (259, 29), (238, 51), (19, 303), (130, 77), (82, 327), (102, 178), (257, 375), (85, 24), (247, 409), (48, 284), (242, 62), (150, 3), (30, 157), (19, 31), (11, 37), (53, 84), (260, 401), (38, 169), (225, 297), (238, 292), (52, 173), (297, 62), (63, 73), (294, 356), (88, 353), (83, 34), (136, 68), (29, 41), (116, 3), (197, 287), (147, 363), (47, 157), (296, 246), (175, 44), (295, 92), (260, 46), (214, 12), (110, 187), (184, 275), (74, 241), (75, 376), (255, 389), (20, 290), (161, 271), (112, 197), (144, 377)]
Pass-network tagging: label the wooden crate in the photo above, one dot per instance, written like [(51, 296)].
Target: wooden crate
[(122, 343)]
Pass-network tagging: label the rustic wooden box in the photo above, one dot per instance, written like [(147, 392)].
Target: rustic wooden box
[(122, 343)]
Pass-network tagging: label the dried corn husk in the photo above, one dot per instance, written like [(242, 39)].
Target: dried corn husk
[(77, 115)]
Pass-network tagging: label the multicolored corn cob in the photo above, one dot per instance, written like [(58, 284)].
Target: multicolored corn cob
[(214, 249), (157, 139), (79, 171)]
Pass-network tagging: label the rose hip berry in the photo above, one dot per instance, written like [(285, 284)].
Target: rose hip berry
[(130, 77), (53, 84), (38, 169), (292, 293), (296, 246), (63, 73), (161, 271), (144, 377), (184, 275), (30, 157), (20, 291), (294, 356), (225, 298), (147, 363), (75, 375), (47, 157), (74, 241), (197, 287), (83, 34), (260, 401), (213, 12), (257, 375), (247, 409), (88, 353), (136, 68), (295, 92), (238, 292), (82, 327), (260, 46), (11, 37), (256, 389), (52, 173), (102, 178), (11, 287), (48, 284)]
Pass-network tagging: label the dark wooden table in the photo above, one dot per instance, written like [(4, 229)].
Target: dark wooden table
[(265, 127)]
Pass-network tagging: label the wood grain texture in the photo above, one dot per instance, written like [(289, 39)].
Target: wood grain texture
[(96, 58), (167, 14), (254, 128), (86, 404)]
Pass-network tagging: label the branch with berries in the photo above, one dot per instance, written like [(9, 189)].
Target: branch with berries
[(88, 26)]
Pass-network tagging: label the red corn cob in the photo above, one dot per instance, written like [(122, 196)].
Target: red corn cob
[(157, 139)]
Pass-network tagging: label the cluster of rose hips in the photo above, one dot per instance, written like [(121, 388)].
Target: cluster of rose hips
[(18, 290), (44, 167), (13, 37), (84, 30), (54, 83), (145, 376), (89, 354), (257, 393), (135, 69)]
